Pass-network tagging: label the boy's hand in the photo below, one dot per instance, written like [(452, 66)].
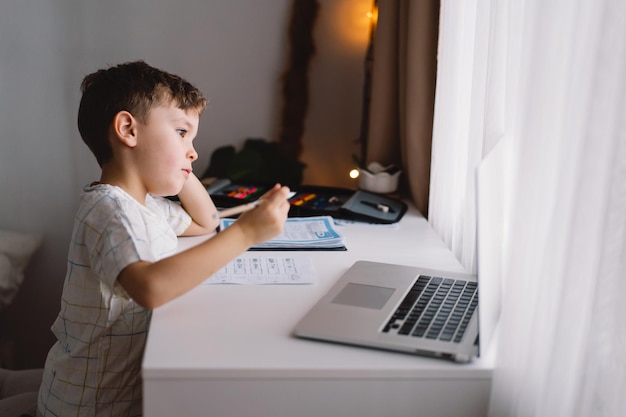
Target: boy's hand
[(268, 218)]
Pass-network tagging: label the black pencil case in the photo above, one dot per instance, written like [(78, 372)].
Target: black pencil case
[(314, 200), (343, 203)]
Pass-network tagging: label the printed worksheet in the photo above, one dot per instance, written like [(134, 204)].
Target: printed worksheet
[(302, 233), (260, 270)]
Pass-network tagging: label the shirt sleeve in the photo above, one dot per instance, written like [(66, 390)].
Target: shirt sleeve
[(120, 243), (118, 232), (178, 219)]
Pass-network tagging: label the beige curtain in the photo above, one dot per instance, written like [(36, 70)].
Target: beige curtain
[(403, 92)]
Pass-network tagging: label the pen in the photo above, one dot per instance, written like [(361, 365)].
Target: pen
[(378, 206), (233, 211)]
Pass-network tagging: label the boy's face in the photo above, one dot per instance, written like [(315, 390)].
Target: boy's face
[(165, 149)]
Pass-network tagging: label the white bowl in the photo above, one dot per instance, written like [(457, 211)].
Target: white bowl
[(381, 182)]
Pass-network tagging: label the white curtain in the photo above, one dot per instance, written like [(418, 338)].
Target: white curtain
[(546, 79)]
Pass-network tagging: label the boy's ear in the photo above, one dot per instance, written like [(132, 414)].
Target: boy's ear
[(125, 127)]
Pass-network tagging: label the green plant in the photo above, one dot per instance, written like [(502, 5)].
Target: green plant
[(258, 161)]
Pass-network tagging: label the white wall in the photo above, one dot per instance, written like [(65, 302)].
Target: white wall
[(234, 51)]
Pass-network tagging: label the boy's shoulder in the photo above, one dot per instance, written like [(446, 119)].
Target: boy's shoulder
[(103, 195), (105, 201)]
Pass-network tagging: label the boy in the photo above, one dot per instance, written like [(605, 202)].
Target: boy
[(140, 123)]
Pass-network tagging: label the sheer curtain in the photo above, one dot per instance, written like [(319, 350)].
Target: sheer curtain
[(545, 80)]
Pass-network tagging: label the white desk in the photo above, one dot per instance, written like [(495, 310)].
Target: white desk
[(227, 350)]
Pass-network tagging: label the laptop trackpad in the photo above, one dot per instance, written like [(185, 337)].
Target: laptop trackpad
[(362, 295)]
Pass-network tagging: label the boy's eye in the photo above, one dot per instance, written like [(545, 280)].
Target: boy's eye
[(181, 132)]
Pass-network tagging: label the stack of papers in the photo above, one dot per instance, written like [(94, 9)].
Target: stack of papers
[(302, 233)]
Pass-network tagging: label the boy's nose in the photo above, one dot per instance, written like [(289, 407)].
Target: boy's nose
[(193, 155)]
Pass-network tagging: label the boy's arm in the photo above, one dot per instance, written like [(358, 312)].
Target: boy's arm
[(197, 202), (153, 284)]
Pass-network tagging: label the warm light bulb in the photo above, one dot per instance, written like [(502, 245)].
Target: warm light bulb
[(351, 24), (373, 16), (354, 173)]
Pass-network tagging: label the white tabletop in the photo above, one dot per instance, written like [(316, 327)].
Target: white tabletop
[(244, 331)]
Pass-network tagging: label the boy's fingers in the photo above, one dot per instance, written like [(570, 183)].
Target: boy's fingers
[(279, 193)]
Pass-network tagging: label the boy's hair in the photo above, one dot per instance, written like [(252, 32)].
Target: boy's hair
[(135, 87)]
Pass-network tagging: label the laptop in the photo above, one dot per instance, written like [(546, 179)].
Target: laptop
[(400, 308), (417, 310)]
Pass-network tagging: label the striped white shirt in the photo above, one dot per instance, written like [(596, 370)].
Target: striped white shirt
[(94, 367)]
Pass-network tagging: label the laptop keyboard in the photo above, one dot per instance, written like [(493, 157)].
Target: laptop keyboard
[(435, 308)]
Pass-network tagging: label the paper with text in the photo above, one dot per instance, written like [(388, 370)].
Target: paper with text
[(259, 270), (302, 232)]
